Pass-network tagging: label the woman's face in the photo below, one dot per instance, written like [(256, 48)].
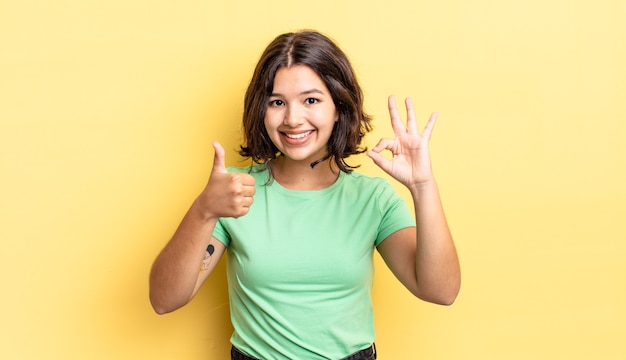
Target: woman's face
[(300, 114)]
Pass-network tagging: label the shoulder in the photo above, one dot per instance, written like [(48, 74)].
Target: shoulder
[(365, 181), (376, 188)]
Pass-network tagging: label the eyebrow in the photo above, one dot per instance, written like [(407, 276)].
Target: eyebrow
[(306, 92)]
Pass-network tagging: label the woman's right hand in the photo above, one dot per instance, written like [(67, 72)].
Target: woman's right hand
[(226, 194)]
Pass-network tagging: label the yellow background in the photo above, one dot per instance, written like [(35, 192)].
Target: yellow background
[(107, 113)]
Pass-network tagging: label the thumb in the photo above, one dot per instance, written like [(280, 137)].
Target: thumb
[(219, 165)]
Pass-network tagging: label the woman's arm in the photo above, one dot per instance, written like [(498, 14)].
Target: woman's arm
[(192, 253), (181, 267), (423, 258)]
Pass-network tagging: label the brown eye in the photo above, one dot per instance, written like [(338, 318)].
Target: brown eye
[(310, 101)]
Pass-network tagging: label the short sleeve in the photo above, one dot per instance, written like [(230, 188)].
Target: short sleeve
[(220, 233), (395, 213)]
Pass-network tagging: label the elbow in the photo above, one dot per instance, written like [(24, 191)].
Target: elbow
[(157, 300), (445, 296), (446, 300), (160, 310), (439, 299), (162, 305), (159, 307), (449, 295), (165, 299)]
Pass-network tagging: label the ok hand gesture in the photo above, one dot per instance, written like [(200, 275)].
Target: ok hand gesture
[(410, 163)]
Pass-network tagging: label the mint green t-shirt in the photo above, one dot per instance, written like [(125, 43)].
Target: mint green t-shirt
[(300, 266)]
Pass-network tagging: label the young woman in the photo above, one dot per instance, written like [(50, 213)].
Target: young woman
[(300, 260)]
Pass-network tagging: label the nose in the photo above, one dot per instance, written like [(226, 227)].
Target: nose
[(293, 116)]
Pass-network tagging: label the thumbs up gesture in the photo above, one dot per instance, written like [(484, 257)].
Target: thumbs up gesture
[(226, 194)]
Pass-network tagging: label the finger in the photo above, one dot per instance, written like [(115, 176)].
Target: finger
[(411, 123), (380, 160), (219, 164), (430, 125), (243, 202), (247, 179), (248, 191), (384, 144), (248, 201), (396, 122), (246, 183)]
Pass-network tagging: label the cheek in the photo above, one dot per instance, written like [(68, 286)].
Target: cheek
[(268, 122), (337, 129), (271, 128), (273, 117), (334, 115)]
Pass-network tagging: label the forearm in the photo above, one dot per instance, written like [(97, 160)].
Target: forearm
[(437, 265), (175, 271)]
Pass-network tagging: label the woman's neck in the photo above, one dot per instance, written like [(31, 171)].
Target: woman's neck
[(299, 175)]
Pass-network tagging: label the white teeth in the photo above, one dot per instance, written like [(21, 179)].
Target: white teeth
[(298, 136)]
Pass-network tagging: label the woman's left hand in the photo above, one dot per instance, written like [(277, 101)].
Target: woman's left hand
[(410, 163)]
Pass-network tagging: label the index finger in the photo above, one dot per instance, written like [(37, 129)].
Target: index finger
[(247, 179)]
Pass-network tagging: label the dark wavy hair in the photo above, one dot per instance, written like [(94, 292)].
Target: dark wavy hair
[(321, 54)]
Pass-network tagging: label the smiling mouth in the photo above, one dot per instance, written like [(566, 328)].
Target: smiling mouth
[(298, 136)]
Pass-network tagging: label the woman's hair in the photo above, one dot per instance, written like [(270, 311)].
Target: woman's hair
[(323, 56)]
